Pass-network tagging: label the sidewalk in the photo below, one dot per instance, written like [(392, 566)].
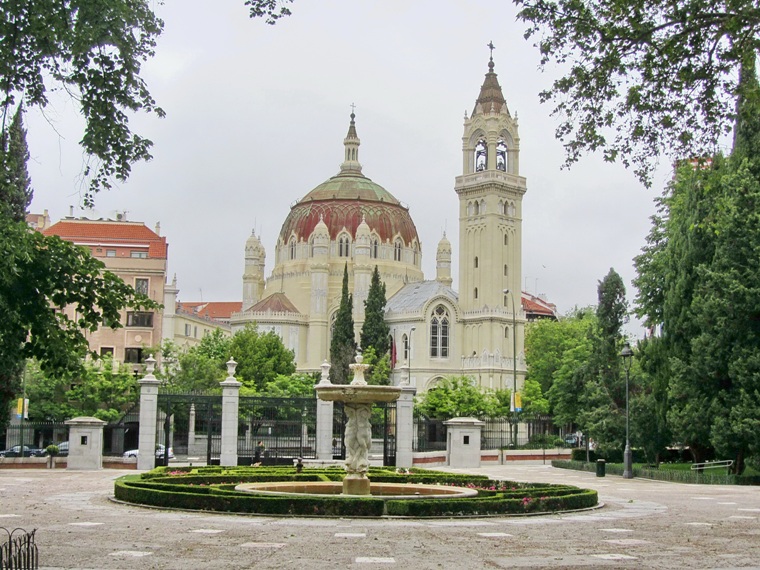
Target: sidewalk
[(644, 524)]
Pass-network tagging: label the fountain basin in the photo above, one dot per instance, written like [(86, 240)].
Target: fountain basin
[(357, 394), (387, 491)]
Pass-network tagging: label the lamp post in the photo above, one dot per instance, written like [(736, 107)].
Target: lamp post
[(627, 355), (514, 359)]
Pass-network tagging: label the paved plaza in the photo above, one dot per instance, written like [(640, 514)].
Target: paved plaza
[(643, 524)]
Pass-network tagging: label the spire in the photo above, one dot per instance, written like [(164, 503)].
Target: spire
[(491, 98), (351, 143)]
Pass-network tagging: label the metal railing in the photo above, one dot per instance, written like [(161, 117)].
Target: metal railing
[(19, 552)]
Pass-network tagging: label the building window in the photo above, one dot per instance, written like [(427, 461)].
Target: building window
[(343, 247), (506, 239), (397, 251), (187, 330), (405, 341), (476, 262), (506, 271), (110, 253), (138, 254), (476, 207), (141, 286), (501, 155), (195, 332), (476, 292), (482, 206), (439, 333), (106, 351), (292, 249), (139, 319), (481, 155), (373, 249), (133, 355)]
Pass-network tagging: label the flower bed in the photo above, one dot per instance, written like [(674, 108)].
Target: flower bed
[(213, 489)]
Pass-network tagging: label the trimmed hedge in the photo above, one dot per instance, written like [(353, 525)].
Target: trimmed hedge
[(212, 489), (673, 475)]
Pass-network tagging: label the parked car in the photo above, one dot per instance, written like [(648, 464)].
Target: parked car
[(63, 448), (572, 440), (15, 451), (159, 452)]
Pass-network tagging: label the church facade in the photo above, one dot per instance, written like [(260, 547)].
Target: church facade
[(351, 221)]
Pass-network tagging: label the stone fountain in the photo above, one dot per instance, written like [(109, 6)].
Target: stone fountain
[(357, 398)]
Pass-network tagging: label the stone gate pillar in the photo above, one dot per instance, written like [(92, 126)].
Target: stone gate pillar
[(146, 457), (85, 443), (463, 442), (230, 405), (324, 434), (405, 426)]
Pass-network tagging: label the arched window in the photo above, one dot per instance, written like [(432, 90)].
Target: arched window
[(405, 343), (343, 247), (292, 248), (476, 207), (501, 155), (481, 155), (482, 207), (506, 239), (506, 271), (439, 333), (373, 249), (506, 332), (397, 247), (476, 292), (476, 262)]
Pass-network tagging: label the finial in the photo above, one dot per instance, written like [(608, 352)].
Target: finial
[(491, 47), (353, 115)]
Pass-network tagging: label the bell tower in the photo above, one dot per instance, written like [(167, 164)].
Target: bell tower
[(490, 192)]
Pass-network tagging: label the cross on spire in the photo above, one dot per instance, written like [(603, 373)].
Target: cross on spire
[(353, 107), (491, 47)]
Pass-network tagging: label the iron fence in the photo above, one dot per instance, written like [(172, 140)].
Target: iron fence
[(276, 430), (19, 552), (37, 435)]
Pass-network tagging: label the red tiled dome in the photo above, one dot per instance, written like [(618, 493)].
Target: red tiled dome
[(342, 202)]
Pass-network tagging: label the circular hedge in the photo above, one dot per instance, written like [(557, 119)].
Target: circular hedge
[(213, 489)]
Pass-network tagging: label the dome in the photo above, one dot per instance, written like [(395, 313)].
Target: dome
[(347, 198)]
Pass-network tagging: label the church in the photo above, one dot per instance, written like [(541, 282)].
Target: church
[(350, 220)]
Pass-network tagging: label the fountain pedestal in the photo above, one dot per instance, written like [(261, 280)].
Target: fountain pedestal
[(357, 398)]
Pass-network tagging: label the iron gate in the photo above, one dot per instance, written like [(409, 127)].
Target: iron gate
[(276, 430), (190, 425), (383, 421)]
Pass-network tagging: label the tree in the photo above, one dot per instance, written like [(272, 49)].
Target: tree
[(95, 51), (603, 394), (455, 396), (375, 331), (39, 277), (102, 390), (547, 341), (15, 184), (379, 371), (297, 385), (343, 345), (643, 77), (261, 358)]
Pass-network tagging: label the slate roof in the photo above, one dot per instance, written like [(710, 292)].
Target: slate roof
[(413, 296)]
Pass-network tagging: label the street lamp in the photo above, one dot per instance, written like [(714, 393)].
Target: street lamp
[(514, 358), (627, 355)]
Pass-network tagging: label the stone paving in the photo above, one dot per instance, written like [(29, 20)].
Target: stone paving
[(643, 524)]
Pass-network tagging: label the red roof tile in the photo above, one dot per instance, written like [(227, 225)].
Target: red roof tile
[(97, 231), (217, 310)]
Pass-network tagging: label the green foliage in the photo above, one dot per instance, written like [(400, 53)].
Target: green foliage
[(94, 51), (548, 342), (643, 77), (379, 371), (533, 400), (343, 344), (261, 358), (455, 396), (213, 489), (15, 184), (293, 386), (39, 276), (269, 9), (100, 389), (375, 331)]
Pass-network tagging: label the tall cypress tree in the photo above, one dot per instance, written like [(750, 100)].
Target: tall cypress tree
[(343, 345), (375, 331), (15, 184)]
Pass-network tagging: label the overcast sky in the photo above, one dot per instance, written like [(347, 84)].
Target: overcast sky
[(256, 117)]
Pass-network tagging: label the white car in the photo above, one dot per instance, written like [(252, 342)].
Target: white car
[(159, 452)]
